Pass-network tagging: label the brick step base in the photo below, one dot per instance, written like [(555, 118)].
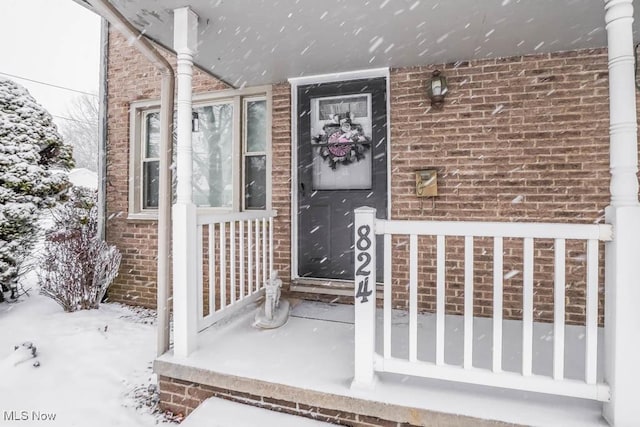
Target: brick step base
[(184, 395), (216, 412)]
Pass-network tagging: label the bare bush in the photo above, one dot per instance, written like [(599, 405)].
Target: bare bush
[(77, 267)]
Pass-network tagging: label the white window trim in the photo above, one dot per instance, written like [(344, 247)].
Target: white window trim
[(136, 115), (267, 151), (137, 112), (234, 153)]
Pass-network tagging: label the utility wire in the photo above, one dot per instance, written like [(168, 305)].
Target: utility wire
[(75, 120), (49, 84)]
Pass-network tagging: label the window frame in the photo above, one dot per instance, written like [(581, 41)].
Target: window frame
[(144, 158), (137, 147), (234, 153), (246, 153)]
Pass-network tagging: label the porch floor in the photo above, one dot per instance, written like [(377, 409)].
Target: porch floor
[(312, 357)]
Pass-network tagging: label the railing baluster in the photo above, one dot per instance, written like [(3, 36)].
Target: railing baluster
[(212, 268), (199, 273), (497, 304), (270, 245), (468, 302), (223, 265), (591, 357), (257, 227), (232, 243), (440, 299), (558, 310), (265, 273), (242, 241), (413, 298), (387, 303), (527, 307), (249, 258)]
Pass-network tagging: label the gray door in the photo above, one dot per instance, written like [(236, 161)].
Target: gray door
[(342, 165)]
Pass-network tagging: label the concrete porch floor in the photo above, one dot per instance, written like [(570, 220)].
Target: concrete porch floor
[(310, 361)]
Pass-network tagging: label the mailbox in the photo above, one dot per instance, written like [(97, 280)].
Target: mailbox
[(427, 183)]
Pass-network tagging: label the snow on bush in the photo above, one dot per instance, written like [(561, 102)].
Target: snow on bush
[(32, 162), (76, 266)]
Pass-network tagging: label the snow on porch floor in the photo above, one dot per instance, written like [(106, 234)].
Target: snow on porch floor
[(215, 412), (314, 351)]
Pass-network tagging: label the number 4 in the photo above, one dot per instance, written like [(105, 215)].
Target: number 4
[(363, 290)]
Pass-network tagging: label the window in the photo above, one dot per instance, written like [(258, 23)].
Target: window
[(231, 153), (255, 153), (213, 158), (151, 159)]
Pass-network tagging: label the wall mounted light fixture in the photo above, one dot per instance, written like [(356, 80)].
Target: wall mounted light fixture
[(195, 122), (437, 89)]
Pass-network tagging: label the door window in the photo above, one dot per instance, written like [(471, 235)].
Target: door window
[(341, 142)]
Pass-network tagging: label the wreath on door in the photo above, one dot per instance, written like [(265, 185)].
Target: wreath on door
[(342, 141)]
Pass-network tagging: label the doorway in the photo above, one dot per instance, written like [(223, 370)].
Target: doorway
[(342, 165)]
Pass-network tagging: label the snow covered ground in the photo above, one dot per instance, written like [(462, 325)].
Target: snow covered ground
[(215, 412), (94, 366), (91, 367)]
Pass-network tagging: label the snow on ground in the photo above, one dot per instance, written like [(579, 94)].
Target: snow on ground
[(94, 366), (84, 178), (215, 412)]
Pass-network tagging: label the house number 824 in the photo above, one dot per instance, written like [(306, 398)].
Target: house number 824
[(363, 244)]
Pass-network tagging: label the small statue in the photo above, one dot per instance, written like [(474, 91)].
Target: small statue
[(272, 295), (273, 313)]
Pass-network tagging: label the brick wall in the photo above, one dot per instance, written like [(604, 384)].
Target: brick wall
[(281, 179), (519, 139)]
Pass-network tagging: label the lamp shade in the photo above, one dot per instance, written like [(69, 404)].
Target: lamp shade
[(437, 89)]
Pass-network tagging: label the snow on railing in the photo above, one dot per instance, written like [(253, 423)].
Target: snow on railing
[(235, 258), (367, 361)]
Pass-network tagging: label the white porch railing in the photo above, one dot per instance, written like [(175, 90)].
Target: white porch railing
[(235, 258), (367, 360)]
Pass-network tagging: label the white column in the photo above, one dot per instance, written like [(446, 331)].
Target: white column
[(622, 269), (365, 297), (622, 92), (185, 331)]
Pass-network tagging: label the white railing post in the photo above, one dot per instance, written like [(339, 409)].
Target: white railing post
[(365, 297), (185, 314), (622, 269)]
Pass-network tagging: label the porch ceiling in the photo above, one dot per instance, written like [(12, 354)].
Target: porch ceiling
[(251, 42)]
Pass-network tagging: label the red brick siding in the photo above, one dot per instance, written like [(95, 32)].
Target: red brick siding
[(519, 139), (281, 179)]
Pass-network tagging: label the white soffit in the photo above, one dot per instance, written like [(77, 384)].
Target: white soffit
[(253, 42)]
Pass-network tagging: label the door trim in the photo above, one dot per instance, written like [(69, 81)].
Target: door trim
[(328, 78)]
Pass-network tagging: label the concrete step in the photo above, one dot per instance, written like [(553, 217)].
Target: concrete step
[(215, 412)]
